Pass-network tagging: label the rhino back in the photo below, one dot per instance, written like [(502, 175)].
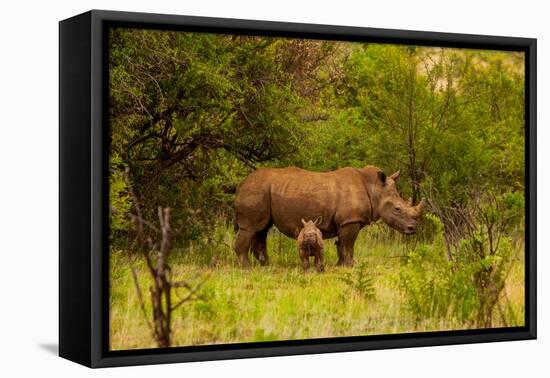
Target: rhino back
[(286, 195)]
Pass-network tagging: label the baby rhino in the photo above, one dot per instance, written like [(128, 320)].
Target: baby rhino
[(310, 243)]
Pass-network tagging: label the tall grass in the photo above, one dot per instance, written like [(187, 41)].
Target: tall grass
[(280, 301)]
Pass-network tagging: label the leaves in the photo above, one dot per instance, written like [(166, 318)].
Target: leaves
[(193, 113), (360, 280)]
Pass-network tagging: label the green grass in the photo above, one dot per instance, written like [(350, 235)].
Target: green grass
[(280, 301)]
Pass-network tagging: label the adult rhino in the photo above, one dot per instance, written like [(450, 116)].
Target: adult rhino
[(346, 200)]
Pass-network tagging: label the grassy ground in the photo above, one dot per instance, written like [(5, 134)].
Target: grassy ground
[(280, 302)]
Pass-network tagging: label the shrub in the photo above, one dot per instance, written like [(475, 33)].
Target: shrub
[(470, 285), (360, 280), (486, 251), (433, 287)]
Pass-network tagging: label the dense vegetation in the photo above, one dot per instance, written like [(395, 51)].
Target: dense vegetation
[(192, 114)]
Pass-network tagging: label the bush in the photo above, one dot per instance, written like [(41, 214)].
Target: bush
[(360, 281), (470, 285), (433, 286), (119, 198), (486, 251)]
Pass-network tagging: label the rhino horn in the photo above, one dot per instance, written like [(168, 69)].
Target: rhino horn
[(421, 205)]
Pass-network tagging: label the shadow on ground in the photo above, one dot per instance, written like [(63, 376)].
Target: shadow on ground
[(51, 348)]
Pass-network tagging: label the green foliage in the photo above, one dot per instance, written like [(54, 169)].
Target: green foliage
[(280, 301), (470, 285), (360, 280), (433, 288), (191, 114), (487, 249), (120, 201), (449, 119)]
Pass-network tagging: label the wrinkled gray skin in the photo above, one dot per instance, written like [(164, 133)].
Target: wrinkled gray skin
[(310, 244), (346, 199)]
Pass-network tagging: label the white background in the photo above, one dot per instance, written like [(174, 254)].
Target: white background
[(29, 188)]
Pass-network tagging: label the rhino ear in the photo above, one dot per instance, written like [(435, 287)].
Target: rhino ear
[(395, 176), (303, 222), (382, 177), (318, 220)]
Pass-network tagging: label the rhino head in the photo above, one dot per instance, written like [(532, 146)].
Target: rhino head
[(393, 209), (310, 229)]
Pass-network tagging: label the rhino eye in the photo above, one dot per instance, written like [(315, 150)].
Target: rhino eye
[(397, 208)]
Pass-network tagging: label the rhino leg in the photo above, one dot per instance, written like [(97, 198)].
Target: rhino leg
[(305, 263), (242, 246), (347, 235), (320, 261), (340, 250), (304, 258), (259, 247)]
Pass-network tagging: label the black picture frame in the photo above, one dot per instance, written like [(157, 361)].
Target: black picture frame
[(83, 195)]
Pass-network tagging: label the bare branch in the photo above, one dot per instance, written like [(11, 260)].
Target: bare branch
[(140, 298)]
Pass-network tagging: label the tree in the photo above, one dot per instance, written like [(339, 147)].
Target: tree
[(191, 113), (453, 119)]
